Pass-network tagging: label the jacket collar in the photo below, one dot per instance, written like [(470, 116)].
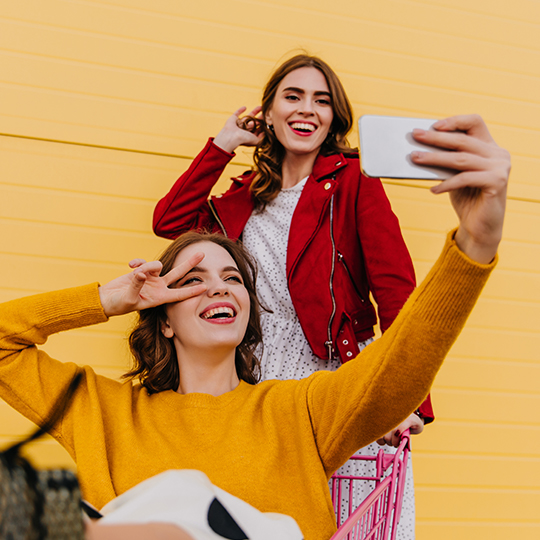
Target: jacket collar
[(234, 208), (327, 166)]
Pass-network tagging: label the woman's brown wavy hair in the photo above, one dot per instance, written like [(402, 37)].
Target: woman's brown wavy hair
[(155, 360), (269, 153)]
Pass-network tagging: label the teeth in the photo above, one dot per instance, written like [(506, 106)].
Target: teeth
[(302, 126), (218, 311)]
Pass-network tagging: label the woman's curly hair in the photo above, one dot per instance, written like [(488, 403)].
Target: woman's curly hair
[(269, 153), (155, 360)]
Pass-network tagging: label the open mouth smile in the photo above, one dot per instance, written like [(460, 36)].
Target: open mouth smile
[(303, 128), (219, 314)]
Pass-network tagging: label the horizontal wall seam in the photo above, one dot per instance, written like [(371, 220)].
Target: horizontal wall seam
[(479, 522), (473, 489), (97, 196), (190, 158)]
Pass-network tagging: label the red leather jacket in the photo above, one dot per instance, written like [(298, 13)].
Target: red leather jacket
[(344, 242)]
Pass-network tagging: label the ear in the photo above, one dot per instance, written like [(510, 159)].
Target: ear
[(268, 118), (166, 329)]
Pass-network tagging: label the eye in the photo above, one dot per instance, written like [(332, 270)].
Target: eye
[(192, 279), (292, 97), (324, 101), (237, 279)]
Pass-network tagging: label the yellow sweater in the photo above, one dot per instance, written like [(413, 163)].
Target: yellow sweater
[(274, 444)]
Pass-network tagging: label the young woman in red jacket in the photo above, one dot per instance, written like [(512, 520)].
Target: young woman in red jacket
[(323, 235)]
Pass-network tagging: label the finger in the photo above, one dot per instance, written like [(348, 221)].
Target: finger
[(479, 180), (247, 123), (137, 283), (387, 438), (256, 111), (149, 268), (179, 295), (457, 141), (473, 124), (135, 263), (460, 161), (239, 111), (178, 272), (381, 441)]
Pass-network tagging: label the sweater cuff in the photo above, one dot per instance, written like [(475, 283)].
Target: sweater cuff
[(69, 308)]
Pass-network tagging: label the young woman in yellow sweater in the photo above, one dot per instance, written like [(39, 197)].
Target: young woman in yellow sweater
[(273, 444)]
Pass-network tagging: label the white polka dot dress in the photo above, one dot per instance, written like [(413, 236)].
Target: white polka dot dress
[(286, 353)]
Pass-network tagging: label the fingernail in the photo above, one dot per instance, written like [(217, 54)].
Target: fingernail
[(418, 131), (416, 155), (398, 433), (439, 124)]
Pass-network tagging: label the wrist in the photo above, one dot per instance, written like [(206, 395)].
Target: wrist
[(103, 300), (226, 142), (481, 252)]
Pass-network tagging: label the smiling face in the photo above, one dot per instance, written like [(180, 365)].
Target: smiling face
[(216, 319), (301, 112)]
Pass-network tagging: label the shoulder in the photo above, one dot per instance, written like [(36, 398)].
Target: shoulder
[(243, 181)]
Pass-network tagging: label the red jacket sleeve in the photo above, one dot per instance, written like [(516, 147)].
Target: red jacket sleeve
[(185, 207), (388, 264), (389, 268)]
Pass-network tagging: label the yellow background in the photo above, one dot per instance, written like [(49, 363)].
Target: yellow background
[(104, 103)]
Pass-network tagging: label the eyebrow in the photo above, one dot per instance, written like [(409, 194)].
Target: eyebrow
[(200, 270), (204, 270), (302, 91)]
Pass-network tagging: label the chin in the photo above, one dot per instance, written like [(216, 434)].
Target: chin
[(225, 342)]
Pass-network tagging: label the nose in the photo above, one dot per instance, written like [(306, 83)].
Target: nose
[(305, 107), (218, 287)]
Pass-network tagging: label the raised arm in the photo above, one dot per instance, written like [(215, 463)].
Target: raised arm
[(399, 368), (185, 207), (32, 382)]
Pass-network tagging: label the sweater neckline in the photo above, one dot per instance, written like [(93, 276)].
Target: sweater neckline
[(208, 401)]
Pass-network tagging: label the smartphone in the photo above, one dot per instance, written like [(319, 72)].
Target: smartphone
[(385, 145)]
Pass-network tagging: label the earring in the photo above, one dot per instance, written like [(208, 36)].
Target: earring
[(270, 127)]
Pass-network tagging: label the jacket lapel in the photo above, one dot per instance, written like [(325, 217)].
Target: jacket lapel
[(309, 212)]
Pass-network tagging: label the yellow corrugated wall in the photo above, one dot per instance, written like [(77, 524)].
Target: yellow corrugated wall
[(104, 102)]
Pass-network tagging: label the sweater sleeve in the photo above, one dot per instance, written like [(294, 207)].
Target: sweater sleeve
[(389, 271), (186, 206), (373, 393), (30, 381)]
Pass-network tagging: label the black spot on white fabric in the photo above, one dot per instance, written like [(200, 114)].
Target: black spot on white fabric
[(222, 523)]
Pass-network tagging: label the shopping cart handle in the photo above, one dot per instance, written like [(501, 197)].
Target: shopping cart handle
[(406, 435), (404, 443)]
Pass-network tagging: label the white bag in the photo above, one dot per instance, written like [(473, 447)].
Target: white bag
[(188, 499)]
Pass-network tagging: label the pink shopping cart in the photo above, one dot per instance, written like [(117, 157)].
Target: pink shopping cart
[(378, 515)]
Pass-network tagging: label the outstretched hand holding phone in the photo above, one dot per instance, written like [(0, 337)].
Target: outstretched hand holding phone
[(478, 190)]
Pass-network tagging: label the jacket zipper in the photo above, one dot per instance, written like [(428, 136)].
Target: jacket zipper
[(341, 259), (211, 205), (328, 343)]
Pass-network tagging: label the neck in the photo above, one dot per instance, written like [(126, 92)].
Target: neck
[(207, 372), (295, 168)]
